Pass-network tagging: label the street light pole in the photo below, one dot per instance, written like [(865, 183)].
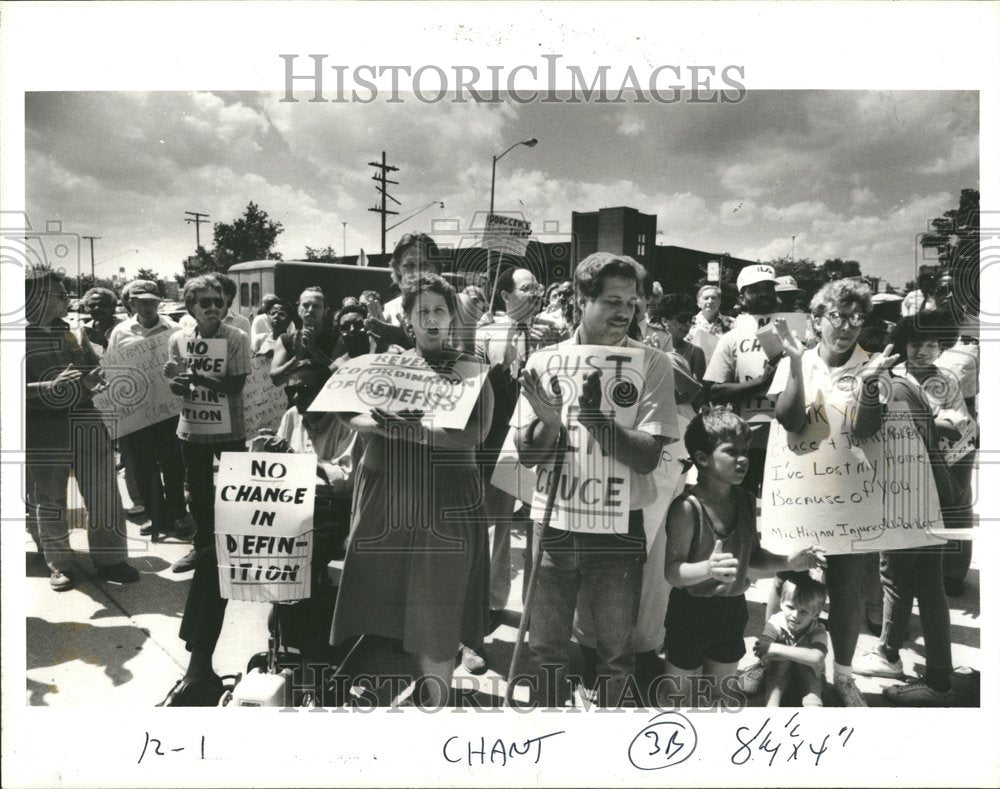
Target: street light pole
[(345, 239), (531, 143)]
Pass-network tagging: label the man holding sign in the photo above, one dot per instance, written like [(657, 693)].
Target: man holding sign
[(614, 397), (208, 367)]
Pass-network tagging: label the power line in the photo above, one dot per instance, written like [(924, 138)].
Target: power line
[(196, 219), (380, 178)]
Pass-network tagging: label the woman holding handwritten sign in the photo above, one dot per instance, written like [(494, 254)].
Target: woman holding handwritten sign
[(836, 374), (416, 566)]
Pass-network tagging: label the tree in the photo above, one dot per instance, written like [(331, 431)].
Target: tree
[(201, 262), (147, 273), (835, 268), (251, 237), (321, 255), (807, 275), (955, 237)]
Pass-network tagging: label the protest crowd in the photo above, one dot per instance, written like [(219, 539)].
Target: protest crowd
[(659, 451)]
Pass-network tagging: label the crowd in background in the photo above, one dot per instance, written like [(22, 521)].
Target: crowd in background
[(386, 478)]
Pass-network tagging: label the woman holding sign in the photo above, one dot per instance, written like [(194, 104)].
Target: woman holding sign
[(813, 386), (416, 566)]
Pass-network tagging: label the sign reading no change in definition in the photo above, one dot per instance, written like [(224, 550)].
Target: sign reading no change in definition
[(203, 410), (264, 509)]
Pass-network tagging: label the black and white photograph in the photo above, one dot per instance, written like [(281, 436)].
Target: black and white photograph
[(483, 406)]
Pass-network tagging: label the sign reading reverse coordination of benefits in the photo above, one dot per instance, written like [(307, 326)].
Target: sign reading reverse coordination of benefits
[(264, 505), (400, 382), (823, 486)]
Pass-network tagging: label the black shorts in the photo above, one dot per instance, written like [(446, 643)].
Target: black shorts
[(700, 628)]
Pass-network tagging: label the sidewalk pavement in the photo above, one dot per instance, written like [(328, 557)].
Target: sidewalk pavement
[(117, 644)]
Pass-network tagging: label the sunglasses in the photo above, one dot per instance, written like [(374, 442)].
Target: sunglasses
[(209, 301), (856, 319)]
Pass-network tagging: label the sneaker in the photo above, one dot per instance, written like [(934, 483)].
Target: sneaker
[(917, 693), (61, 581), (123, 573), (474, 660), (751, 679), (875, 664), (186, 563), (194, 694), (848, 692)]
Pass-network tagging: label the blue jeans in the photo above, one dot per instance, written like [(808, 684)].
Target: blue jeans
[(610, 581)]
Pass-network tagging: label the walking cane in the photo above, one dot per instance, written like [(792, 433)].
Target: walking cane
[(536, 552)]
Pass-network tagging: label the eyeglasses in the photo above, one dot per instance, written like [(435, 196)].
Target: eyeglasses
[(211, 301), (838, 319)]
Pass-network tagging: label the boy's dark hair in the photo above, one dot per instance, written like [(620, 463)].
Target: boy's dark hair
[(930, 325), (712, 427), (805, 590)]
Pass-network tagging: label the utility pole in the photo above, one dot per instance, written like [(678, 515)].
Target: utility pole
[(196, 219), (381, 180), (345, 239), (92, 239)]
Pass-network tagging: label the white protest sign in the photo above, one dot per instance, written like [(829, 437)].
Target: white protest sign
[(204, 411), (264, 519), (509, 475), (666, 475), (823, 486), (399, 382), (138, 394), (263, 403), (594, 490), (506, 234)]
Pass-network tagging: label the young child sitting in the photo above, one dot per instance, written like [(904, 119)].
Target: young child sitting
[(711, 544), (794, 643)]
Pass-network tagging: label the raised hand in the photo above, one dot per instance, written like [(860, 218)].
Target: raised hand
[(722, 566), (590, 401), (789, 341)]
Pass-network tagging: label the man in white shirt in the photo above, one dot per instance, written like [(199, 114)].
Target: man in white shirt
[(603, 565), (154, 452)]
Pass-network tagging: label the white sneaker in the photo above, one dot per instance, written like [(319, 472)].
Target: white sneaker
[(918, 693), (751, 680), (848, 692), (875, 664)]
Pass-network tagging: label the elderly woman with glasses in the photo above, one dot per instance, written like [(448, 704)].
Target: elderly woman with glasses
[(816, 376)]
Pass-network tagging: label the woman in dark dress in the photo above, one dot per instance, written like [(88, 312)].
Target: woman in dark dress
[(417, 562)]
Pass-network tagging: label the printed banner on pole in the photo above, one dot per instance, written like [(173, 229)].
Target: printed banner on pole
[(264, 403), (204, 411), (400, 382), (593, 489), (264, 509), (825, 487), (506, 235), (138, 394)]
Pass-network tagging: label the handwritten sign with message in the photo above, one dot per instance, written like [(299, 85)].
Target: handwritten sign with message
[(264, 519), (399, 382), (138, 394), (204, 411), (593, 489), (263, 403), (823, 486)]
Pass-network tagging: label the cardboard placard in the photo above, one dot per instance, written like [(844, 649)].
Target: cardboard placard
[(506, 234), (138, 394), (263, 403), (398, 382), (264, 509), (204, 411), (824, 487), (594, 490)]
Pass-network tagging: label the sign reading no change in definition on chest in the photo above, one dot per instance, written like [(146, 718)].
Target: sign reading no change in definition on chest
[(264, 509), (204, 411)]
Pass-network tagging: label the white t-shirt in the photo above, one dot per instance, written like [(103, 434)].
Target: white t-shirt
[(737, 358)]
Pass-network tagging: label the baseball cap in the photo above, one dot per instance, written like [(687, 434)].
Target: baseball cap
[(786, 284), (751, 275), (142, 289)]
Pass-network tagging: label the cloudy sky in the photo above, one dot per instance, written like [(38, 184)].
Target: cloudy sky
[(849, 174)]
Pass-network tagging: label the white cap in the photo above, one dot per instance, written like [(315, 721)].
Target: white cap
[(787, 284), (751, 275)]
